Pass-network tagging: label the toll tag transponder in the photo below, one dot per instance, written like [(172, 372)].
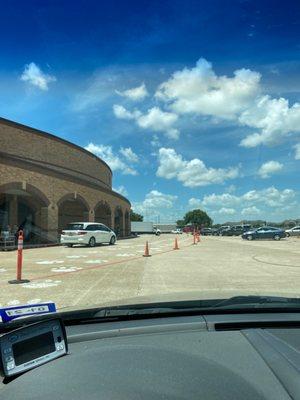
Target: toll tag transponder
[(9, 313)]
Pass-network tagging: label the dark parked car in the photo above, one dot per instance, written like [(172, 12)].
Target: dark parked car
[(225, 231), (236, 230), (220, 230), (265, 232), (214, 231), (206, 231)]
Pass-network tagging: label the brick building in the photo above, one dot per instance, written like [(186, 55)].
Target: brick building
[(48, 182)]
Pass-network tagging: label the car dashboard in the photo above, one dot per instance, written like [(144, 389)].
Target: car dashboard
[(231, 356)]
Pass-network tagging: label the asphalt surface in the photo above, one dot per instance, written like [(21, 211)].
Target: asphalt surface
[(217, 267)]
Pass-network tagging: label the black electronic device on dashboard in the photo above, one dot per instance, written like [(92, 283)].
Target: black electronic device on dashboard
[(32, 345)]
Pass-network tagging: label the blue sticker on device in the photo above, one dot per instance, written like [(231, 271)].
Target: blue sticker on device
[(9, 313)]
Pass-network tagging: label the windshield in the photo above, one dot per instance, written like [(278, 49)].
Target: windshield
[(149, 151)]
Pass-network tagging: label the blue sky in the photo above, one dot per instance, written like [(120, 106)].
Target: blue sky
[(192, 103)]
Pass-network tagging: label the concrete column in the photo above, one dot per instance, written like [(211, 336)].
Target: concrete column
[(112, 220), (123, 233), (49, 217), (89, 216), (13, 211), (128, 227)]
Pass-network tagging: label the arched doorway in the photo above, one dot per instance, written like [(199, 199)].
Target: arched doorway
[(119, 228), (23, 206), (72, 208), (127, 223), (103, 214)]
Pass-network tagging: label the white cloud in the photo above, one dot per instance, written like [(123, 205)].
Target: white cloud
[(273, 197), (250, 211), (269, 197), (199, 90), (156, 199), (297, 151), (227, 211), (111, 158), (230, 189), (159, 121), (265, 203), (36, 77), (155, 141), (154, 119), (156, 204), (122, 190), (121, 112), (129, 154), (191, 173), (195, 203), (240, 98), (269, 168), (273, 117), (217, 200), (135, 94)]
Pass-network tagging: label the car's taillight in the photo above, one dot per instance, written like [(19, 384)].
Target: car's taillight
[(82, 233)]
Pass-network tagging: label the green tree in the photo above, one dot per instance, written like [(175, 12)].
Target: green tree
[(180, 223), (135, 216), (198, 218)]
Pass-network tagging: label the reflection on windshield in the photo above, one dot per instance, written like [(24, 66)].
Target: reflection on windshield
[(149, 154)]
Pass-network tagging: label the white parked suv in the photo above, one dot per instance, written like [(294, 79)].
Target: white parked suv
[(88, 233), (177, 231)]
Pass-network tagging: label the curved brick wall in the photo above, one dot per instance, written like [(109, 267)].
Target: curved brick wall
[(42, 163)]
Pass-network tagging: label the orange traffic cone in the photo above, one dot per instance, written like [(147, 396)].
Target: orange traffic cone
[(146, 254), (176, 247), (194, 238)]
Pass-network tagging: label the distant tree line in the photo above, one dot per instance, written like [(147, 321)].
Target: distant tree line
[(200, 218), (136, 217), (288, 223)]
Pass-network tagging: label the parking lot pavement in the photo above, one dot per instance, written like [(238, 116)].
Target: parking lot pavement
[(217, 267)]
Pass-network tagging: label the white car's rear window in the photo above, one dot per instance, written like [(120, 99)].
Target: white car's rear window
[(75, 227)]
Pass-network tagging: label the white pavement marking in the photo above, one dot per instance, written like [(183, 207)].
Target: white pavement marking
[(2, 270), (76, 256), (95, 261), (34, 301), (48, 262), (124, 255), (13, 303), (41, 284), (65, 269)]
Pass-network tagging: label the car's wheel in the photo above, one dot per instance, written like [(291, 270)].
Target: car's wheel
[(277, 237), (92, 242), (112, 240), (250, 237), (69, 245), (287, 234)]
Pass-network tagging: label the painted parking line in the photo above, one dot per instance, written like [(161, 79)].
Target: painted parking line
[(110, 263), (104, 263)]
